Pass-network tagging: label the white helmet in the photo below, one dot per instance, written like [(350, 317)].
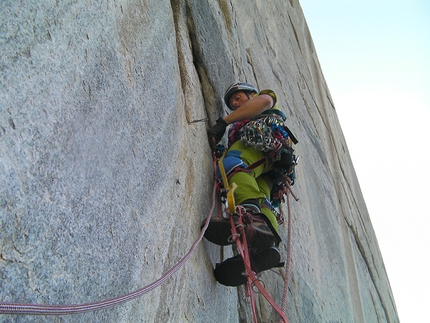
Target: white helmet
[(232, 89)]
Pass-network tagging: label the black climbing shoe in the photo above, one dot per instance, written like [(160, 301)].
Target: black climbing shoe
[(231, 272), (219, 231), (258, 234)]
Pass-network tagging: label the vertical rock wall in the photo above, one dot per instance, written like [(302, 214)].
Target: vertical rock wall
[(106, 173)]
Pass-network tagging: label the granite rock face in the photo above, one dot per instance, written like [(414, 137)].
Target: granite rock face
[(106, 172)]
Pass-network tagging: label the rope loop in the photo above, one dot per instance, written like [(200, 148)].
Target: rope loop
[(233, 237), (40, 309), (255, 288)]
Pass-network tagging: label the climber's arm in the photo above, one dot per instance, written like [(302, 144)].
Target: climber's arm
[(251, 108)]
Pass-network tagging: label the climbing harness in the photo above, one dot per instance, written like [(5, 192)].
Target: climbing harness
[(239, 237)]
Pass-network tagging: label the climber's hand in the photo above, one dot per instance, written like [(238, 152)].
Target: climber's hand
[(216, 132)]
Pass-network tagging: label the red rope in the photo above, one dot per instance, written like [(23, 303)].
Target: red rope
[(288, 262), (244, 252), (38, 309), (252, 279)]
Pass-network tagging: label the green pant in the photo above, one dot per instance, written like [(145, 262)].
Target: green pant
[(252, 185)]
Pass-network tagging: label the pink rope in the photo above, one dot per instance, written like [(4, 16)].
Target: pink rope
[(252, 279), (288, 263), (36, 309)]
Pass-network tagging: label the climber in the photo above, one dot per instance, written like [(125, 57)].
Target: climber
[(255, 186)]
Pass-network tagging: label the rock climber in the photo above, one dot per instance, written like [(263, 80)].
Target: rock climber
[(254, 187)]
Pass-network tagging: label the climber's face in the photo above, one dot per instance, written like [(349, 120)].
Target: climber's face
[(238, 99)]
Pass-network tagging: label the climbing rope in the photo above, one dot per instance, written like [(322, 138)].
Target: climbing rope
[(288, 262), (37, 309)]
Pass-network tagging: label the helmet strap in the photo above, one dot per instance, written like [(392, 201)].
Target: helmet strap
[(247, 95)]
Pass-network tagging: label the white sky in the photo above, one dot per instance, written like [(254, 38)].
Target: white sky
[(375, 55)]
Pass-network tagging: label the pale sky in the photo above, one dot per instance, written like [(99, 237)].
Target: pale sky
[(375, 56)]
